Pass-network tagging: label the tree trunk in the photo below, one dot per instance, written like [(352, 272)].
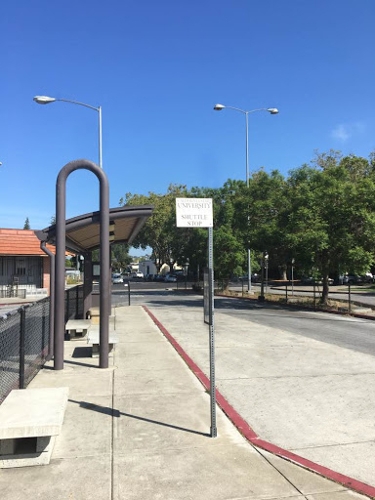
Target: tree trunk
[(325, 290)]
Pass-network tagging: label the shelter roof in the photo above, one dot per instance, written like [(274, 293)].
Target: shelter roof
[(83, 232)]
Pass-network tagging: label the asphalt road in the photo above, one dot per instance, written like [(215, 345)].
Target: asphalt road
[(352, 333)]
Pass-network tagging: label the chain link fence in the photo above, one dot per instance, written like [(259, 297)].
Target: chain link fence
[(25, 339), (74, 303)]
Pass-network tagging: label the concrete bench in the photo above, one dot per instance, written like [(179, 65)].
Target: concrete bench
[(77, 328), (30, 420), (93, 338)]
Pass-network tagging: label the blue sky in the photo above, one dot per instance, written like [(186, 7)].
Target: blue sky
[(157, 69)]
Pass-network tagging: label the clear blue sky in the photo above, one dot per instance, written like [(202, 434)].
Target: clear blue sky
[(157, 69)]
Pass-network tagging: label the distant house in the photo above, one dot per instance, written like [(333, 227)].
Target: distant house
[(148, 267), (22, 261)]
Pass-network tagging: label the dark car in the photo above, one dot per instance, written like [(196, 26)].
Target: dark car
[(309, 280), (351, 279), (159, 277)]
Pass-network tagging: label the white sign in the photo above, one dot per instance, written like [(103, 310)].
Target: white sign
[(194, 212)]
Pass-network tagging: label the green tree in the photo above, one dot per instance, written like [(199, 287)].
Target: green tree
[(159, 232), (260, 209), (27, 224), (120, 258), (331, 225)]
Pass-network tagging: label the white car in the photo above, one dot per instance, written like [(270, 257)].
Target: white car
[(138, 275), (117, 278)]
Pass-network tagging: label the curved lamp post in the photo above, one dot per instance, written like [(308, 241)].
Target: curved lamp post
[(272, 111), (43, 99)]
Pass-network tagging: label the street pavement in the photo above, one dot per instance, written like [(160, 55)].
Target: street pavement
[(141, 428)]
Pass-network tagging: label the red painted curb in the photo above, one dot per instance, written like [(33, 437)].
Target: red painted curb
[(249, 433)]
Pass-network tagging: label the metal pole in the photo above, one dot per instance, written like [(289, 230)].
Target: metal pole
[(314, 295), (212, 333), (261, 296), (60, 260), (100, 138), (22, 347), (98, 109), (43, 246), (350, 299), (247, 149), (292, 277), (248, 221)]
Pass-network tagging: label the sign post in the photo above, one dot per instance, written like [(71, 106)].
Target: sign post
[(197, 212)]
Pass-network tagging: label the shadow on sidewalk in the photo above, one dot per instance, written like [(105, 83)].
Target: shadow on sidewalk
[(112, 412)]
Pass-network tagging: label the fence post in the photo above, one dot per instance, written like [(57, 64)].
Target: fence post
[(67, 298), (314, 296), (77, 315), (350, 299), (286, 292), (22, 347)]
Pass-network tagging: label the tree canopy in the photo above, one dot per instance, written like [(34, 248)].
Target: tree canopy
[(26, 224), (322, 215)]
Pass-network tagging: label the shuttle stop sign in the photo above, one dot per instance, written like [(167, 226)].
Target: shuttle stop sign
[(194, 212)]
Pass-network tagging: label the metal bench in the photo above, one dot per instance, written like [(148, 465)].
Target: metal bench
[(30, 421)]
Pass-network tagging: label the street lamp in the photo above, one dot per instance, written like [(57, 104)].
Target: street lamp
[(43, 99), (266, 256), (272, 111)]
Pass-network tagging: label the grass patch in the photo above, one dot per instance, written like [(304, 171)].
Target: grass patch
[(333, 305)]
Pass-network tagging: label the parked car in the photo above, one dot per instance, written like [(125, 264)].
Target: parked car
[(351, 279), (368, 278), (170, 278), (137, 275), (117, 278), (159, 277), (309, 280)]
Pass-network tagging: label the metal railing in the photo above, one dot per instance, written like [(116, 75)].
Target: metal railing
[(24, 345), (74, 303), (12, 291)]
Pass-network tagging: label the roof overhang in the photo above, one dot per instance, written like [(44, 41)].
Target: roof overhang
[(83, 232)]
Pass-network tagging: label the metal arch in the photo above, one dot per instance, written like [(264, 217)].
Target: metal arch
[(60, 260)]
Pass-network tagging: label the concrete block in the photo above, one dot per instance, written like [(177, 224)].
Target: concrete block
[(77, 328), (93, 338), (30, 420)]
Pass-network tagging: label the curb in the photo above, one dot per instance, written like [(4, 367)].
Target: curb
[(251, 435)]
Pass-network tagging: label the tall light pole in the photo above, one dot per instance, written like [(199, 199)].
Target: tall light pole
[(272, 111), (43, 99)]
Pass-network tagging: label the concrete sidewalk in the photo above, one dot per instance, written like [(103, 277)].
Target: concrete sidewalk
[(303, 399), (140, 430)]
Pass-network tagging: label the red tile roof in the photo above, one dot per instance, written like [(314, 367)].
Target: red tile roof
[(15, 242)]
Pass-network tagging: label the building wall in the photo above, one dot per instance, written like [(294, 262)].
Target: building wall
[(21, 269), (147, 267), (46, 273)]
